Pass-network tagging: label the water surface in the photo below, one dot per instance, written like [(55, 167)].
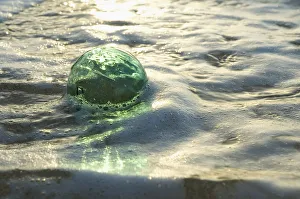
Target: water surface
[(222, 102)]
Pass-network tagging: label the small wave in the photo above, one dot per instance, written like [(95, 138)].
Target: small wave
[(10, 7)]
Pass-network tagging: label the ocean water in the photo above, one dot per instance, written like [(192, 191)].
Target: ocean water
[(219, 118), (10, 7)]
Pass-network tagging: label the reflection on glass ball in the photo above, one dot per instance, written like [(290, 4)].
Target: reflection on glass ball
[(106, 76)]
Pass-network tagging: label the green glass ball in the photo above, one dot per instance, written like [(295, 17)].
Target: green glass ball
[(106, 76)]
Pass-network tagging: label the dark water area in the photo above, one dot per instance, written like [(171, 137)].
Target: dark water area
[(219, 118)]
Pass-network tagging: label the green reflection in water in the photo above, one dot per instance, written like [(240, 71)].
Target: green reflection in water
[(98, 155), (99, 137), (119, 159)]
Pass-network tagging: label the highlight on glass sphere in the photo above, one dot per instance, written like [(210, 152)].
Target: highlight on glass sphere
[(107, 77)]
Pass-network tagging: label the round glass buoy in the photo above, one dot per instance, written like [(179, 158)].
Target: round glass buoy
[(107, 77)]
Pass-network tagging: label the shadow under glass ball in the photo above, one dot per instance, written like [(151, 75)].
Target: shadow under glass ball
[(106, 75)]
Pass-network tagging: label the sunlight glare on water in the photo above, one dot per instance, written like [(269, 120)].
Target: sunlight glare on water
[(111, 10)]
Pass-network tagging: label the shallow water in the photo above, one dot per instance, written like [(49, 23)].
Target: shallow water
[(222, 101)]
